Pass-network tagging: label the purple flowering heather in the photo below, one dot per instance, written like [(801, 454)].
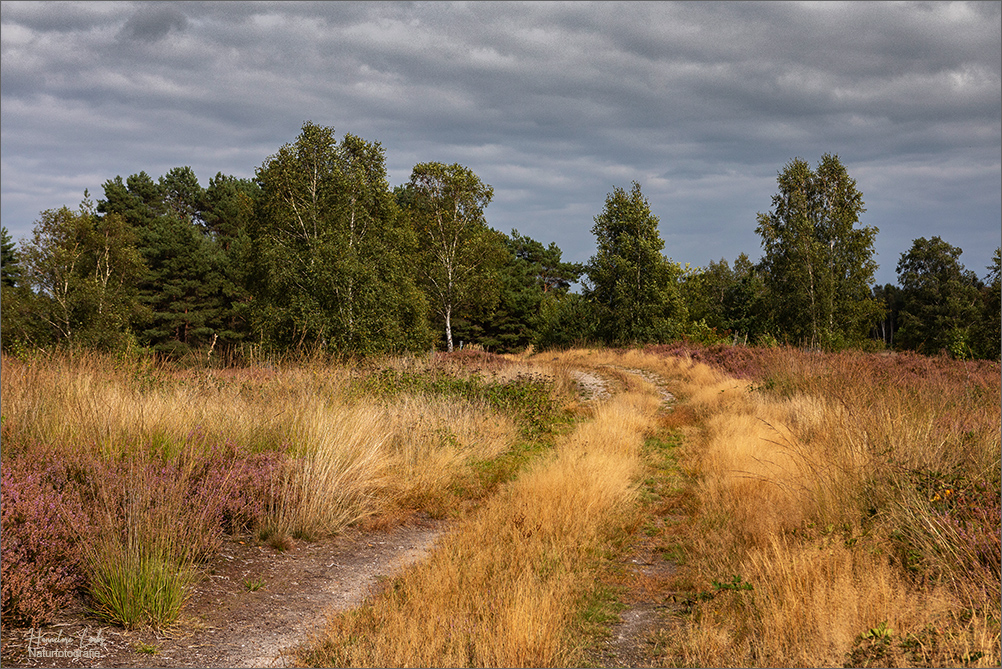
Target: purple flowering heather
[(43, 521), (57, 501)]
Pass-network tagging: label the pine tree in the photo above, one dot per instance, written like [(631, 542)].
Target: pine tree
[(633, 288), (10, 267)]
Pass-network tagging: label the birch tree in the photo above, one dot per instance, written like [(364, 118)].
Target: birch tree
[(83, 269), (818, 265), (459, 252), (331, 247)]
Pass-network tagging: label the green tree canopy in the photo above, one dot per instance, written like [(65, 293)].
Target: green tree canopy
[(988, 334), (633, 288), (532, 277), (728, 299), (940, 299), (818, 265), (182, 289), (885, 329), (83, 269), (458, 254), (331, 249), (227, 211)]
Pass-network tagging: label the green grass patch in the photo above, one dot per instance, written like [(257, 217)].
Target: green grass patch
[(598, 610), (526, 399), (147, 648), (130, 587)]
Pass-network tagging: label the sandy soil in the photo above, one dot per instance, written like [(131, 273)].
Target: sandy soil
[(228, 625), (593, 387)]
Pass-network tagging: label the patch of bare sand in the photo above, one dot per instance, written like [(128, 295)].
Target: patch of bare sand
[(227, 623), (593, 387)]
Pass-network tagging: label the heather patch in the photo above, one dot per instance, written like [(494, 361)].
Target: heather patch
[(43, 519), (121, 529)]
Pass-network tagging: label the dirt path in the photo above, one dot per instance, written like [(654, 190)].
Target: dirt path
[(592, 387), (226, 623), (633, 639), (255, 604)]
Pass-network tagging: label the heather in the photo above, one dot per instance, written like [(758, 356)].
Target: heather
[(74, 520), (855, 497), (741, 362), (122, 476), (41, 514)]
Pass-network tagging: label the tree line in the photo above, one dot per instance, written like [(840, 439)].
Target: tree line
[(317, 250)]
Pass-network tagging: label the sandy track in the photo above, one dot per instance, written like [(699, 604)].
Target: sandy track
[(228, 625), (225, 623)]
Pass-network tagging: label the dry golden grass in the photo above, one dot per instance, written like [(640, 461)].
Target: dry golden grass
[(91, 402), (434, 441), (813, 488), (785, 481), (809, 491), (350, 457), (335, 475), (501, 589)]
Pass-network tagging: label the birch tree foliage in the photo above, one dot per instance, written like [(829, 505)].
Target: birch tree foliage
[(632, 286), (330, 246), (83, 269), (459, 253), (818, 263)]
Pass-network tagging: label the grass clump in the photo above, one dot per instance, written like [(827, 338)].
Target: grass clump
[(503, 588), (139, 586), (853, 491)]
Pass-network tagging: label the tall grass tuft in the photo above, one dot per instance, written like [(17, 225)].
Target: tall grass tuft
[(501, 589), (154, 523), (133, 584), (334, 473)]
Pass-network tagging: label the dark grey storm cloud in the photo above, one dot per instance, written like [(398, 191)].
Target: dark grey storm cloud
[(553, 104), (152, 22)]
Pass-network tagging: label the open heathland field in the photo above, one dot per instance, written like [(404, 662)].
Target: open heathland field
[(667, 506)]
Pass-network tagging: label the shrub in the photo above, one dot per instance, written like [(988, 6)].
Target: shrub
[(42, 524), (129, 530), (158, 519)]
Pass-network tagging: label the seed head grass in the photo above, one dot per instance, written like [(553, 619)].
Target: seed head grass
[(502, 588)]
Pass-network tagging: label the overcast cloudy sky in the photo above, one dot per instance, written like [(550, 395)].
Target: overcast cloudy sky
[(552, 104)]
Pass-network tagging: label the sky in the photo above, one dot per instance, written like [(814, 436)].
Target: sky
[(553, 104)]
